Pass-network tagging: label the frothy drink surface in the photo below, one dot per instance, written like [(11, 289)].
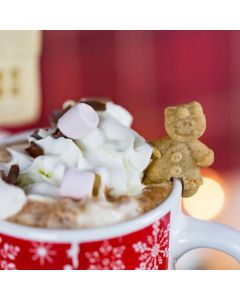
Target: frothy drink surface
[(91, 212)]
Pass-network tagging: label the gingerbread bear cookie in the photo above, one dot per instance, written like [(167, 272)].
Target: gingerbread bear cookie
[(180, 154)]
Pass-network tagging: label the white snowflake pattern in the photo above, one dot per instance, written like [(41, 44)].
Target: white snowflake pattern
[(8, 254), (107, 257), (154, 249), (42, 252), (73, 253)]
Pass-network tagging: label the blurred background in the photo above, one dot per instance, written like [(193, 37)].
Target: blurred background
[(145, 71)]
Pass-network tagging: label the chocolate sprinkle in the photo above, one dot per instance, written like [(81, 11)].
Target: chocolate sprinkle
[(36, 135), (57, 134), (5, 155), (34, 150), (12, 175), (97, 103)]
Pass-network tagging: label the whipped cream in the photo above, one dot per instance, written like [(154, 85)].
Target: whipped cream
[(117, 153), (19, 157), (42, 190), (112, 150)]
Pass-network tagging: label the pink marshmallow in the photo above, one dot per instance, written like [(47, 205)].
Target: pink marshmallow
[(77, 184), (78, 121)]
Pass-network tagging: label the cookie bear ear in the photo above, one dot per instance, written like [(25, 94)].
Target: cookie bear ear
[(196, 106), (169, 111)]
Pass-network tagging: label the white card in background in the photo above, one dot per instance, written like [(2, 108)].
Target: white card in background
[(19, 77)]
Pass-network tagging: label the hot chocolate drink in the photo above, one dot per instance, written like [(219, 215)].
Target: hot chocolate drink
[(88, 169)]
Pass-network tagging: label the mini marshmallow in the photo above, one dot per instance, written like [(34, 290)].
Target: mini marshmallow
[(78, 121), (119, 113), (12, 200), (77, 184)]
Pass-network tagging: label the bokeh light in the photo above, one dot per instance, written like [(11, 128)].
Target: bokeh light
[(208, 201)]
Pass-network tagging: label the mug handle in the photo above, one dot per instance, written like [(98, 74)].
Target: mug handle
[(190, 233)]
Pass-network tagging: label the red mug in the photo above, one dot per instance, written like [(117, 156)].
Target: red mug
[(153, 241)]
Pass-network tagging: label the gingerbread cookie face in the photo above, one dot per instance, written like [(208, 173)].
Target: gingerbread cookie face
[(185, 122)]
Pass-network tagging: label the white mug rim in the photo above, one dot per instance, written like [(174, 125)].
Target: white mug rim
[(95, 233)]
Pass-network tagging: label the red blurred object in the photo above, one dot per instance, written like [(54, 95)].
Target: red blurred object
[(146, 71)]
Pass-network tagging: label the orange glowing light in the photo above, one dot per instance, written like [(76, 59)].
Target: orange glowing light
[(210, 198)]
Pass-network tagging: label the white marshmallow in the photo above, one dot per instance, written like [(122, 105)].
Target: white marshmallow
[(78, 121), (77, 184), (12, 200), (119, 113)]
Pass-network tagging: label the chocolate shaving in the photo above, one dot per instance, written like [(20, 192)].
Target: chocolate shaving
[(34, 150), (36, 135), (12, 175), (57, 134), (5, 155), (97, 103)]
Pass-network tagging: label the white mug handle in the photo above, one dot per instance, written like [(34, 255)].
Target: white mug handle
[(190, 233)]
